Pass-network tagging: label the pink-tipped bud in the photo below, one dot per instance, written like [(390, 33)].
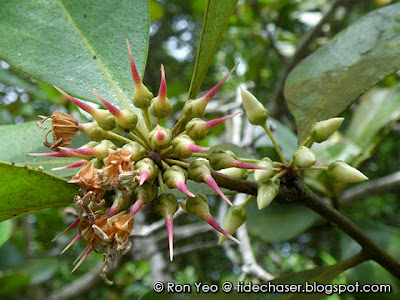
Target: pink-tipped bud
[(93, 131), (213, 184), (211, 93), (125, 119), (160, 106), (77, 164), (184, 146), (169, 224), (136, 207), (73, 225), (89, 109), (148, 170), (55, 154), (145, 194), (213, 223), (243, 165), (160, 137), (100, 151), (135, 73), (82, 151), (121, 201), (88, 251), (183, 188), (212, 123)]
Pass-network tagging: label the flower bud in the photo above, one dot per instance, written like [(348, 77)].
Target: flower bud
[(304, 157), (145, 194), (160, 137), (160, 106), (264, 175), (235, 172), (266, 193), (235, 218), (196, 129), (148, 170), (321, 131), (104, 118), (221, 159), (184, 146), (167, 207), (121, 201), (175, 178), (255, 111), (93, 131), (137, 150), (342, 172), (199, 171), (97, 164)]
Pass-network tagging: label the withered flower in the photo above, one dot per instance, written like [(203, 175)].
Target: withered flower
[(64, 128), (117, 166)]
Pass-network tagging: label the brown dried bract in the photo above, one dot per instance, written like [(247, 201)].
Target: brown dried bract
[(64, 128), (117, 163)]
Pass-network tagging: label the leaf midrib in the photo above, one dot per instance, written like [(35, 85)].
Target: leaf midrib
[(98, 61)]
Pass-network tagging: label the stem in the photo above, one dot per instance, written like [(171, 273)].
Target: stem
[(165, 165), (137, 139), (308, 142), (161, 183), (147, 118), (320, 168), (202, 155), (244, 204), (165, 151), (144, 138), (118, 137), (278, 175), (177, 162), (277, 149), (370, 248)]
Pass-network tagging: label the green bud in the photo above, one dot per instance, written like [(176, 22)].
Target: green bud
[(91, 144), (104, 118), (173, 175), (304, 157), (264, 175), (255, 111), (221, 159), (235, 172), (160, 137), (160, 107), (198, 169), (93, 131), (198, 206), (121, 201), (235, 218), (138, 152), (126, 120), (196, 129), (146, 192), (98, 164), (182, 146), (342, 172), (147, 165), (141, 96), (321, 131), (102, 150), (266, 193), (167, 205)]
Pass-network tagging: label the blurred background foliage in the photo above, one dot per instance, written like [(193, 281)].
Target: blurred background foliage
[(261, 35)]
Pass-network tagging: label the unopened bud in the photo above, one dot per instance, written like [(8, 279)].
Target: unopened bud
[(221, 159), (145, 194), (342, 172), (255, 111), (121, 201), (93, 131), (198, 206), (321, 131), (264, 175), (160, 106), (104, 118), (266, 193), (235, 218), (304, 157), (137, 150), (167, 205), (97, 164), (160, 137), (235, 172), (148, 170), (184, 146), (175, 178)]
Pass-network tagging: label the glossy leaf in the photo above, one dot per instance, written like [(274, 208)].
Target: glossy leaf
[(5, 232), (324, 84), (28, 138), (77, 45), (25, 189), (378, 108), (216, 17), (278, 222)]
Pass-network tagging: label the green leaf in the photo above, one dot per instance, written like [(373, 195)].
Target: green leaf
[(39, 270), (5, 232), (278, 222), (28, 138), (378, 108), (25, 189), (11, 283), (324, 84), (216, 17), (77, 45)]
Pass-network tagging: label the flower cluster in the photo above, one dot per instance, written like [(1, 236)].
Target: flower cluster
[(132, 158)]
